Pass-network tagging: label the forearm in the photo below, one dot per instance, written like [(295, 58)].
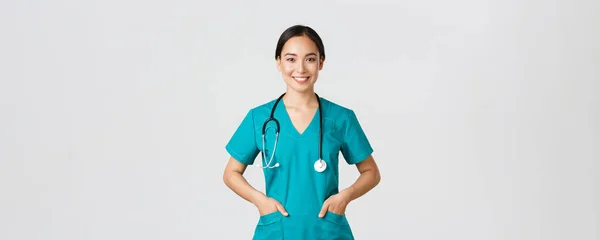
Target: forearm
[(238, 184), (365, 182)]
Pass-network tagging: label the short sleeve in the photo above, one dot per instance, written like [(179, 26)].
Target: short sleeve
[(356, 146), (242, 145)]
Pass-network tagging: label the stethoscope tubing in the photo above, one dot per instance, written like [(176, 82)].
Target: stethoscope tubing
[(272, 118)]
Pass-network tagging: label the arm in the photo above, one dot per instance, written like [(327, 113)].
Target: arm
[(368, 179), (354, 145), (234, 179)]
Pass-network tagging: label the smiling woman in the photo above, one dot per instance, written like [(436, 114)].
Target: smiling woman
[(300, 163), (300, 55)]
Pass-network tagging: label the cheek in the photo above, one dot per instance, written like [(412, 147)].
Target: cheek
[(286, 69), (287, 73), (314, 67)]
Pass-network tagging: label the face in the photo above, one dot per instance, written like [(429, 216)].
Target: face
[(300, 64)]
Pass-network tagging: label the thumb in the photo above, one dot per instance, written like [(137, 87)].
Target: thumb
[(281, 209), (324, 209)]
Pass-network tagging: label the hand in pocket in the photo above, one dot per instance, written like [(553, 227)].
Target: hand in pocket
[(335, 204), (270, 205)]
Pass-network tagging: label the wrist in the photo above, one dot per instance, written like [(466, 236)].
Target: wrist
[(347, 194), (257, 197)]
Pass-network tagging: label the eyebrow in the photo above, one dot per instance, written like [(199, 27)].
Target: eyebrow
[(293, 54)]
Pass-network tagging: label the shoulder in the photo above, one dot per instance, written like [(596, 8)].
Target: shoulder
[(335, 110), (263, 108), (337, 114), (260, 112)]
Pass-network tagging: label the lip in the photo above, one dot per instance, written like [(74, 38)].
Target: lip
[(301, 79)]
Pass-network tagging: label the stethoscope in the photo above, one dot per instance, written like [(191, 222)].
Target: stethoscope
[(320, 165)]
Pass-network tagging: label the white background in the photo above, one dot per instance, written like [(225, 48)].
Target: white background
[(484, 115)]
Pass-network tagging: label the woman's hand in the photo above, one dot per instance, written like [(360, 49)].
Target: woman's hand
[(336, 204), (368, 179), (269, 205)]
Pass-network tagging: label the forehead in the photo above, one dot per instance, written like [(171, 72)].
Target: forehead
[(300, 44)]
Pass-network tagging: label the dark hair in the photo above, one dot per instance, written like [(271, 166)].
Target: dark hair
[(296, 31)]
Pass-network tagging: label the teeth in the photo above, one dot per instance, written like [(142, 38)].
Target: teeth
[(300, 79)]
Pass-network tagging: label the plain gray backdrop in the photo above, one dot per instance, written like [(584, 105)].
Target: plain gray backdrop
[(484, 115)]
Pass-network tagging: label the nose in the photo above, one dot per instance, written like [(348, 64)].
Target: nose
[(301, 67)]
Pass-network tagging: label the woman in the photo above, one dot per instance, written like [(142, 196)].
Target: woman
[(300, 162)]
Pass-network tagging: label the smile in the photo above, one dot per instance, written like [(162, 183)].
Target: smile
[(301, 79)]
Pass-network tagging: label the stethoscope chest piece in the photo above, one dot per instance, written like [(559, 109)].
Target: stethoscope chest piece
[(320, 165)]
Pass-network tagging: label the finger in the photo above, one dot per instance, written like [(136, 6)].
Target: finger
[(281, 209), (324, 209)]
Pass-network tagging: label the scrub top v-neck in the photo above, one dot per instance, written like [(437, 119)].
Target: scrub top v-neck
[(295, 183), (293, 130)]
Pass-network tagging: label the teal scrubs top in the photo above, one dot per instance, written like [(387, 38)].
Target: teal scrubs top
[(295, 183)]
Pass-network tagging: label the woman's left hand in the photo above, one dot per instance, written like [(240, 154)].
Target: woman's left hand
[(336, 204)]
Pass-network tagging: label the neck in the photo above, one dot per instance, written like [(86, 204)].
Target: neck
[(300, 99)]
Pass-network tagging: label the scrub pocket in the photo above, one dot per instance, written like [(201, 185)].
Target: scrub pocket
[(269, 227), (335, 227)]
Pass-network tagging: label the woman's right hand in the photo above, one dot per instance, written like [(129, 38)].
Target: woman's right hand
[(269, 205)]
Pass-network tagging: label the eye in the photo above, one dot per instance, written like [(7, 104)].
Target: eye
[(311, 59), (290, 59)]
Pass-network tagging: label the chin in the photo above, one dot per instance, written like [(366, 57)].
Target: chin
[(301, 89), (300, 86)]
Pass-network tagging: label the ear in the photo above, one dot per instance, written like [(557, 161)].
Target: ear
[(321, 61), (278, 63)]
